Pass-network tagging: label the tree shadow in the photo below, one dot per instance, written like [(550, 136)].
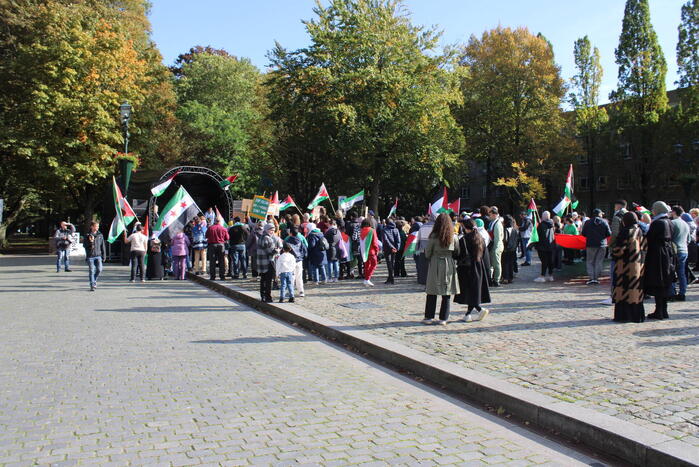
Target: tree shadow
[(686, 341), (667, 332), (519, 327)]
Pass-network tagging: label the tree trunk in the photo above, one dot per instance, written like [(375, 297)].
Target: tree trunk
[(375, 187), (14, 213)]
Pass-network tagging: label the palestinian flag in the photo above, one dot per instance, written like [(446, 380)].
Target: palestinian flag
[(366, 238), (160, 188), (439, 204), (320, 197), (534, 216), (145, 227), (640, 210), (124, 214), (393, 210), (287, 203), (454, 207), (348, 202), (228, 181), (346, 246), (175, 215), (410, 245), (220, 218), (567, 200), (273, 208)]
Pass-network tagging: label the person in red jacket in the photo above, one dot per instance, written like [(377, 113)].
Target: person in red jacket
[(217, 237), (373, 254)]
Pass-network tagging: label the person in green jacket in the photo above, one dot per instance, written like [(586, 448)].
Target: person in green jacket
[(442, 280)]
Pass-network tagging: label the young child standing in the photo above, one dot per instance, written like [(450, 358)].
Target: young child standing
[(285, 265)]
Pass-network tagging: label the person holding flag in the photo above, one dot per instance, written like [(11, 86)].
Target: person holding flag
[(139, 243), (369, 248)]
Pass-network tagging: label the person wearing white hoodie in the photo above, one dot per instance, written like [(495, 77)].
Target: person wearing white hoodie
[(285, 265)]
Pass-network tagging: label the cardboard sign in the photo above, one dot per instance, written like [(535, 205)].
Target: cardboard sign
[(246, 205), (260, 206)]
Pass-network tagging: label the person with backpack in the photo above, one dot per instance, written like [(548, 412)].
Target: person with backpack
[(63, 239), (298, 245), (390, 240), (526, 227), (333, 237), (509, 254), (317, 254)]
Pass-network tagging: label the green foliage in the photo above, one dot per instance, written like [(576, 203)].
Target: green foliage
[(512, 92), (221, 112), (378, 97), (522, 186), (642, 67), (688, 45)]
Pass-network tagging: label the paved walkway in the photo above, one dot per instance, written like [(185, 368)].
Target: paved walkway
[(554, 338), (169, 373)]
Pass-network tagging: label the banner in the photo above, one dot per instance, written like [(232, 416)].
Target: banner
[(260, 206), (574, 242)]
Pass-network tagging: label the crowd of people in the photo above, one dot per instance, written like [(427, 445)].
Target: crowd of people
[(652, 253)]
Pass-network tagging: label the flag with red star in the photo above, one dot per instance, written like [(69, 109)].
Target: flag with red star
[(175, 215)]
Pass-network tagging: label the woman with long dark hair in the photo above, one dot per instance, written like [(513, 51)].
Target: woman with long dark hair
[(441, 276), (472, 273)]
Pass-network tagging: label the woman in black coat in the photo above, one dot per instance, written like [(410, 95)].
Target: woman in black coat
[(545, 247), (154, 269), (472, 272), (660, 260)]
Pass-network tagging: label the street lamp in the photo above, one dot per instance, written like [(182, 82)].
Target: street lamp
[(125, 112)]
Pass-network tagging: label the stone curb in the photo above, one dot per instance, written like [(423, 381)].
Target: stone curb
[(600, 432)]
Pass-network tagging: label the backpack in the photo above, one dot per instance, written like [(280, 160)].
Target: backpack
[(323, 244)]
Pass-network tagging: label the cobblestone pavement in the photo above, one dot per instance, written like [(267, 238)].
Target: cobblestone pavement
[(554, 338), (169, 373)]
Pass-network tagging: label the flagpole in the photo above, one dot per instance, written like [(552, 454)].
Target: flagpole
[(331, 205)]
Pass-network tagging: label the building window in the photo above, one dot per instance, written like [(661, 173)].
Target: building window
[(582, 159), (625, 151), (623, 182), (466, 192), (602, 183), (583, 184)]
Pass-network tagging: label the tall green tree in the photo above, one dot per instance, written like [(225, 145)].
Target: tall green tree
[(220, 107), (589, 116), (377, 98), (511, 115), (640, 96), (65, 69), (688, 45)]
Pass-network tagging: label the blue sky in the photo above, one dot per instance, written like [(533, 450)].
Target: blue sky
[(249, 28)]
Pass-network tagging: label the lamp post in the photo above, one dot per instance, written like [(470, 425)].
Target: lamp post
[(125, 113)]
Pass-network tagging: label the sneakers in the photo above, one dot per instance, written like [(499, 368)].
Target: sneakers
[(606, 301), (526, 264), (427, 321), (92, 288), (592, 282), (549, 278), (441, 322), (368, 283), (301, 294), (481, 316), (291, 300), (540, 279), (131, 281), (467, 318)]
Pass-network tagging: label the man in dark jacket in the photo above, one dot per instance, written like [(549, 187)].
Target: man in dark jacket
[(63, 239), (95, 253), (545, 247), (596, 230), (238, 237), (353, 228), (390, 238)]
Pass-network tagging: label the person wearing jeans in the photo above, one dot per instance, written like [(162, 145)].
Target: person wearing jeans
[(681, 237), (62, 237), (595, 230), (238, 236), (95, 253), (390, 239), (526, 226), (139, 243), (297, 242), (285, 265)]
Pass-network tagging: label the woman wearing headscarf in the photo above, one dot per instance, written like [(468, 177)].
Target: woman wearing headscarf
[(154, 268), (472, 274), (480, 230), (545, 247), (660, 263), (442, 280), (317, 254), (178, 249), (628, 253)]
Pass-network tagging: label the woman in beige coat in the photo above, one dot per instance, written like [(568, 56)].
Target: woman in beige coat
[(442, 280)]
